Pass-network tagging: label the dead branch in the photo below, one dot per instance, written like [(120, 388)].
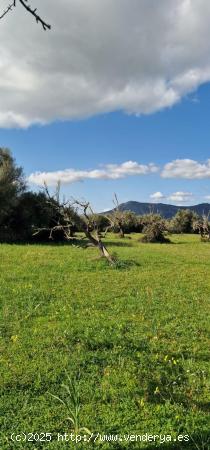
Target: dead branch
[(116, 218), (9, 8), (28, 8), (67, 217), (52, 230), (37, 17)]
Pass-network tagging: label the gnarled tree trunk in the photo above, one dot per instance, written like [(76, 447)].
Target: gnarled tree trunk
[(97, 242)]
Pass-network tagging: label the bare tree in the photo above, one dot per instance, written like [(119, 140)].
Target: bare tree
[(90, 228), (116, 218), (29, 9), (71, 214)]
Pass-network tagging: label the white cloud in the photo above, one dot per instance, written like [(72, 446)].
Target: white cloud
[(129, 168), (176, 197), (186, 168), (180, 197), (109, 171), (180, 168), (157, 196), (101, 56)]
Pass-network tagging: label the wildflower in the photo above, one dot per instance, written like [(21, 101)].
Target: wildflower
[(157, 391)]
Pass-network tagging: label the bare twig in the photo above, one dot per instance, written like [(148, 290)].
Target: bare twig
[(9, 8), (24, 3), (34, 13), (116, 218)]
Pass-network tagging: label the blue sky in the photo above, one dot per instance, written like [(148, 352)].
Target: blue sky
[(176, 133), (107, 92)]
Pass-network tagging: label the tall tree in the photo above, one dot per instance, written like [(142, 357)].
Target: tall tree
[(12, 183)]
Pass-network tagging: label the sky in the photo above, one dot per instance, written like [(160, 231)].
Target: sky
[(113, 99)]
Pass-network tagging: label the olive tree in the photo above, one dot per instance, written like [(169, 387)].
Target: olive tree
[(74, 213), (183, 221), (154, 229), (117, 219), (202, 226)]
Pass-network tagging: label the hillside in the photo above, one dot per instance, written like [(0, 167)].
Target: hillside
[(166, 211)]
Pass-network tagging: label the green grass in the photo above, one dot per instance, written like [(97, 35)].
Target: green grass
[(135, 340)]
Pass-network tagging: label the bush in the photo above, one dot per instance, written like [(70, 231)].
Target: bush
[(30, 212), (183, 221), (155, 232)]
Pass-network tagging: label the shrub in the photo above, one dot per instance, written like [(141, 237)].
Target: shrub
[(183, 221), (155, 232)]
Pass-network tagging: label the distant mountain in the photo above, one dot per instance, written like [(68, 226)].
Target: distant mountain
[(166, 211)]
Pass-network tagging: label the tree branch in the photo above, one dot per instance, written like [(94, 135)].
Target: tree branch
[(67, 217), (37, 17), (9, 8), (44, 24)]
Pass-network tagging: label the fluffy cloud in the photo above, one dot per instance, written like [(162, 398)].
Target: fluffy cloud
[(101, 56), (180, 168), (176, 197), (180, 197), (186, 168), (157, 196), (110, 171)]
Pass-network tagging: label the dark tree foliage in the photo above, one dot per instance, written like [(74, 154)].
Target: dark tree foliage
[(130, 222), (101, 221), (12, 183), (20, 211), (30, 212)]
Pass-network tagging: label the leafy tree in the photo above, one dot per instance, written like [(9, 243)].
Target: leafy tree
[(12, 183), (182, 222), (31, 212), (130, 220), (101, 221), (147, 219)]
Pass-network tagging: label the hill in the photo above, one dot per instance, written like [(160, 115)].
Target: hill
[(166, 211)]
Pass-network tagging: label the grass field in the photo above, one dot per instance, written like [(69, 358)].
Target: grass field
[(134, 340)]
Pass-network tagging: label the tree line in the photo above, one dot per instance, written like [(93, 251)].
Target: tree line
[(27, 216)]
